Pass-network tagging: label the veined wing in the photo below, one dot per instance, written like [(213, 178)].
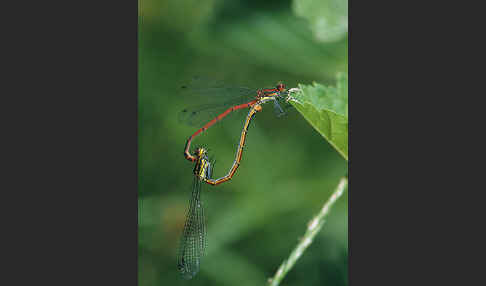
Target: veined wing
[(193, 241)]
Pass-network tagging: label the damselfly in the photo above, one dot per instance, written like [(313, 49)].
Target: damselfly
[(193, 240), (244, 98)]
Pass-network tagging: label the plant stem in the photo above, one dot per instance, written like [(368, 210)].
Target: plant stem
[(313, 227)]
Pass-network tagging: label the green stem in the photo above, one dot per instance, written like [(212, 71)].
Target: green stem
[(313, 228)]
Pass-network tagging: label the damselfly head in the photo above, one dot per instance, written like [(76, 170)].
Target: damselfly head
[(259, 93), (281, 87), (200, 152)]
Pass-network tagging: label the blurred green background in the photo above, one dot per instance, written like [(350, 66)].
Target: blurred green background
[(288, 170)]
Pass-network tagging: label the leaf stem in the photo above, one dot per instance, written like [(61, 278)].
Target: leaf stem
[(313, 227)]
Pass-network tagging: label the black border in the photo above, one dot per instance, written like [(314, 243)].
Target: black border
[(407, 190), (71, 110)]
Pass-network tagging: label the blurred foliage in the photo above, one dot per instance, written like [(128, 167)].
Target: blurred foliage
[(326, 109), (328, 19), (288, 171)]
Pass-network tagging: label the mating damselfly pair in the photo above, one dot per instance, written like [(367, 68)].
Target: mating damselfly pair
[(193, 240)]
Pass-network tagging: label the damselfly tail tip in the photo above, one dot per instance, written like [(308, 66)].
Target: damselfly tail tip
[(187, 272), (187, 275)]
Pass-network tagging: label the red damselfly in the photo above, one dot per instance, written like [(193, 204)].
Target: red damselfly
[(243, 98)]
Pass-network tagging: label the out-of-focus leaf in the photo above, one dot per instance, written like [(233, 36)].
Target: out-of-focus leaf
[(276, 41), (176, 15), (328, 18), (326, 109)]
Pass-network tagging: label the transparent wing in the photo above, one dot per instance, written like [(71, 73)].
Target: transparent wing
[(216, 98), (205, 87), (193, 241), (201, 114)]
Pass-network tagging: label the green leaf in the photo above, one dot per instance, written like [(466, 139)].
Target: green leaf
[(328, 18), (326, 109)]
